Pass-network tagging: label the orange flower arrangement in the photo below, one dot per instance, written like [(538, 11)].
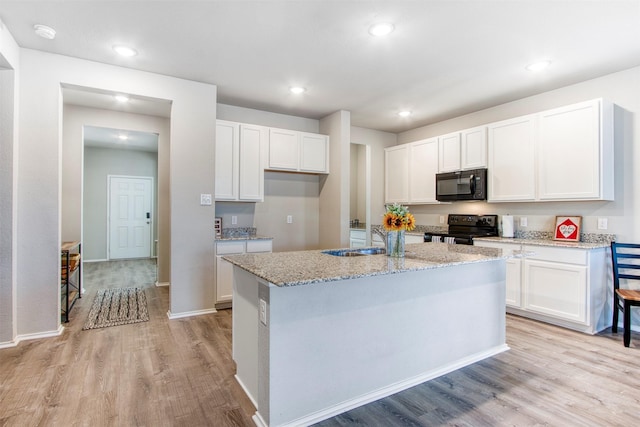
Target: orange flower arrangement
[(398, 218)]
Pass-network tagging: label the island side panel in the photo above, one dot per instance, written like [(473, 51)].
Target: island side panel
[(328, 347)]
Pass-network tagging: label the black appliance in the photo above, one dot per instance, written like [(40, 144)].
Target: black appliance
[(461, 185), (463, 228)]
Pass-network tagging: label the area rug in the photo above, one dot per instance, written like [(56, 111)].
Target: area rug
[(119, 306)]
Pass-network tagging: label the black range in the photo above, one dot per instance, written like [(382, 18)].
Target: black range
[(463, 228)]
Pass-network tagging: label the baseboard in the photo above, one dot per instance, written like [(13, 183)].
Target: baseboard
[(246, 391), (94, 260), (172, 316), (161, 284), (383, 392), (36, 336)]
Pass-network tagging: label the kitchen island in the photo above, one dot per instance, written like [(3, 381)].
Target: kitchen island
[(315, 335)]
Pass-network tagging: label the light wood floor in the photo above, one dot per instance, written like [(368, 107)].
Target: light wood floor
[(180, 373)]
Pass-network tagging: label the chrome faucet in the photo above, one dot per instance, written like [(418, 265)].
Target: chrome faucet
[(380, 232)]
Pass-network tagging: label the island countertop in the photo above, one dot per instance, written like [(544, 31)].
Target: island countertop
[(306, 267)]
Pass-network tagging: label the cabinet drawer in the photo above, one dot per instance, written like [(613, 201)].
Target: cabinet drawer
[(507, 248), (259, 246), (560, 255), (358, 234), (233, 247)]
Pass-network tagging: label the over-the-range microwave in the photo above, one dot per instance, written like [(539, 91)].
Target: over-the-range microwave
[(461, 185)]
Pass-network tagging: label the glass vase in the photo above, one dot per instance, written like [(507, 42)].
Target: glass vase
[(395, 244)]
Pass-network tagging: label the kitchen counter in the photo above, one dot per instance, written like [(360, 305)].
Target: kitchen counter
[(305, 267), (362, 327), (240, 237), (545, 242)]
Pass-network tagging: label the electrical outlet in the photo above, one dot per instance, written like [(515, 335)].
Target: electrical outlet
[(234, 219), (603, 223), (205, 200), (523, 221), (441, 219), (289, 219), (263, 312)]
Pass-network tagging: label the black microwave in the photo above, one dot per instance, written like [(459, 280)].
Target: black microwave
[(461, 185)]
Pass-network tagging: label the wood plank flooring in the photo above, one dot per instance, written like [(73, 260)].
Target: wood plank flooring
[(180, 373)]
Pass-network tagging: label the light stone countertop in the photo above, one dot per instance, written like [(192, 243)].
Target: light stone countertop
[(544, 242), (252, 237), (306, 267)]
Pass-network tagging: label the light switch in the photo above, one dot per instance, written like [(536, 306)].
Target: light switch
[(289, 219), (234, 220), (523, 221), (603, 223), (205, 200)]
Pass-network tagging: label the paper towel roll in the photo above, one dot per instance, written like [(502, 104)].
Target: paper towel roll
[(507, 226)]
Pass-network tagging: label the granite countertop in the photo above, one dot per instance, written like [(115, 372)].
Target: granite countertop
[(240, 237), (545, 242), (306, 267)]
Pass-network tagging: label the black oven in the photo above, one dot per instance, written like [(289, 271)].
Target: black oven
[(461, 185)]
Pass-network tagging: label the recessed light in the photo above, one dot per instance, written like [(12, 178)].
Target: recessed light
[(122, 98), (297, 90), (404, 113), (538, 66), (125, 50), (123, 137), (381, 29), (44, 31)]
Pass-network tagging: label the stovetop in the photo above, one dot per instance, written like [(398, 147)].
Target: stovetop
[(463, 228)]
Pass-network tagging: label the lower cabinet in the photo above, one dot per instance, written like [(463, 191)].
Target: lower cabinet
[(568, 287), (357, 238), (224, 269)]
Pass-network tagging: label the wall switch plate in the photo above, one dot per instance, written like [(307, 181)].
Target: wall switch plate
[(289, 219), (205, 200), (234, 219), (523, 221), (263, 312), (603, 223), (441, 219)]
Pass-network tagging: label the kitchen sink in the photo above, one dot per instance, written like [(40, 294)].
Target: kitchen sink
[(355, 252)]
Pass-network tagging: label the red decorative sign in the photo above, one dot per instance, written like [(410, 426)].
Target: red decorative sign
[(567, 228)]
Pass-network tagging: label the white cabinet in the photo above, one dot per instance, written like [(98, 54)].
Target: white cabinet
[(239, 173), (473, 148), (423, 167), (449, 152), (511, 160), (413, 238), (396, 174), (357, 238), (575, 152), (564, 286), (298, 151), (224, 269)]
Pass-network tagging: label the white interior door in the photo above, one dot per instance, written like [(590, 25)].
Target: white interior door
[(130, 217)]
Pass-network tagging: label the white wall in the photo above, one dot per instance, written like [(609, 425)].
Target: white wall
[(622, 88), (192, 138), (9, 94)]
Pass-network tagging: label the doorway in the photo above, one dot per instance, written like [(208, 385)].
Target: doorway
[(130, 213)]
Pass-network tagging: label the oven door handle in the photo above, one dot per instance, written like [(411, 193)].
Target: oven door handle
[(472, 184)]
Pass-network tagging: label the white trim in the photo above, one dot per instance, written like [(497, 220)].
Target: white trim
[(151, 211), (246, 391), (190, 313), (347, 405), (95, 260), (36, 336), (161, 284), (8, 344)]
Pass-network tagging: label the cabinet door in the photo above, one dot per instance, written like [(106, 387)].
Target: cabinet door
[(251, 170), (226, 161), (449, 152), (569, 152), (396, 174), (283, 149), (224, 280), (513, 293), (473, 148), (314, 153), (554, 289), (423, 167), (511, 162)]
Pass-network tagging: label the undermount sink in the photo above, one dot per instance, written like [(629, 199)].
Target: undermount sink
[(355, 252)]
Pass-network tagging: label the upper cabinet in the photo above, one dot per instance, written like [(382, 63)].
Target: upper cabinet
[(511, 168), (473, 148), (449, 152), (560, 154), (423, 167), (575, 151), (298, 151), (239, 173), (396, 174)]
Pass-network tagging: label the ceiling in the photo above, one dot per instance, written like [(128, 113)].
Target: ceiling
[(444, 59)]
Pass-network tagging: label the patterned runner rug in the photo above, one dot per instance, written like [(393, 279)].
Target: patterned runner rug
[(119, 306)]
